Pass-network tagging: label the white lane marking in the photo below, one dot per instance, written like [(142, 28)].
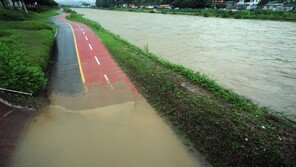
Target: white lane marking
[(6, 114), (100, 39), (86, 38), (81, 29), (83, 32), (108, 81), (97, 60), (90, 47)]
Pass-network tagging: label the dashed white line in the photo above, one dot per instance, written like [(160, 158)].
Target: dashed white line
[(97, 60), (86, 38), (108, 81), (90, 47), (83, 32), (81, 29)]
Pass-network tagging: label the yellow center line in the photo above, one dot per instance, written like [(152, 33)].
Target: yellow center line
[(78, 57)]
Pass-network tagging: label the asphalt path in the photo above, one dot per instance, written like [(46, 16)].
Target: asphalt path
[(82, 65), (65, 75)]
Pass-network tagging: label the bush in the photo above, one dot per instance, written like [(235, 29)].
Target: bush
[(16, 74), (11, 15), (237, 15), (24, 25), (34, 46), (225, 15), (25, 47), (68, 10)]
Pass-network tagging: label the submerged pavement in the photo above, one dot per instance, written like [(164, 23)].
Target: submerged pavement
[(96, 116), (13, 124)]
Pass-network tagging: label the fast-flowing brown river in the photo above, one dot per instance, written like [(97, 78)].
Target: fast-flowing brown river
[(254, 58)]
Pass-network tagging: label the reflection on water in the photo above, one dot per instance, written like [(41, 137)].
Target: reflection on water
[(126, 134), (254, 58)]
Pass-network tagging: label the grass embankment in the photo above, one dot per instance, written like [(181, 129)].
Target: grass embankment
[(26, 42), (241, 14), (226, 128)]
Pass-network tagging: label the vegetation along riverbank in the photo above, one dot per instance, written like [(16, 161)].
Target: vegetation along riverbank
[(240, 14), (26, 42), (227, 129)]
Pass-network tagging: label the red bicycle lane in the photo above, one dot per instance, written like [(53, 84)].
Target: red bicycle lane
[(98, 69)]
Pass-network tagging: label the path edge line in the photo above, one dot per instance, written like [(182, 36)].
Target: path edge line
[(77, 54)]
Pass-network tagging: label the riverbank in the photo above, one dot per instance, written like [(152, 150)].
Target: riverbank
[(241, 14), (226, 128), (26, 43)]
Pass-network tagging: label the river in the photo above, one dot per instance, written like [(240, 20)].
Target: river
[(254, 58)]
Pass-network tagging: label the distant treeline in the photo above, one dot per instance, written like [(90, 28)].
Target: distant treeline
[(28, 4), (175, 3)]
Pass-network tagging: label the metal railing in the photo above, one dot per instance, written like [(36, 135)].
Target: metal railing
[(18, 99)]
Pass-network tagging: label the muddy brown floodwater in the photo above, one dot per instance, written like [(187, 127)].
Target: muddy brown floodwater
[(110, 133), (255, 58)]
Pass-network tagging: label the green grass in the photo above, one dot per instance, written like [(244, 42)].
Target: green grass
[(242, 14), (25, 50), (227, 129)]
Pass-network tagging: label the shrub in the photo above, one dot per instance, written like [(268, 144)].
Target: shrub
[(11, 15), (237, 15), (16, 74), (24, 25), (68, 10), (164, 12), (205, 14), (225, 15)]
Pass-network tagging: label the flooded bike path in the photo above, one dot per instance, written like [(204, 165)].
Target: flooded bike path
[(95, 120)]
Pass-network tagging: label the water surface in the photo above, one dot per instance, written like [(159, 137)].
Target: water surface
[(128, 134)]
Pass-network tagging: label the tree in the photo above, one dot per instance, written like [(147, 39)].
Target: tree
[(85, 4), (192, 3), (3, 3), (263, 2), (13, 3), (102, 3), (24, 6)]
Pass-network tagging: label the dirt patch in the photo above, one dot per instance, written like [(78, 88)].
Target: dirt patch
[(13, 123)]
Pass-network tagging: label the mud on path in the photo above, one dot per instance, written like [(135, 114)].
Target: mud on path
[(103, 126)]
